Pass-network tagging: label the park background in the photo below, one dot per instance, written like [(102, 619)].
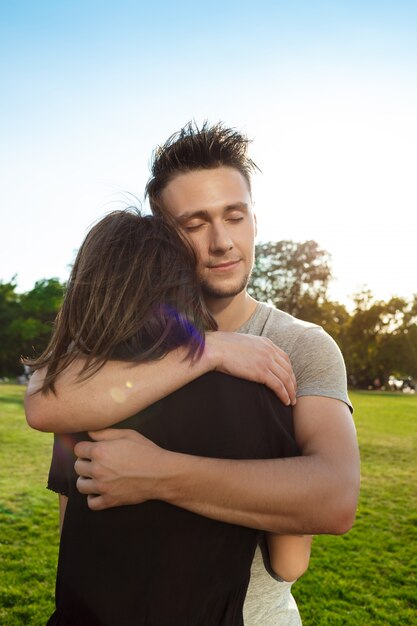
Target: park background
[(328, 93)]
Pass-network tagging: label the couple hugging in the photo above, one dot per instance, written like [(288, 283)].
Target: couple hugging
[(201, 437)]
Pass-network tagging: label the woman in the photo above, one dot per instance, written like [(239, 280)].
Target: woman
[(133, 295)]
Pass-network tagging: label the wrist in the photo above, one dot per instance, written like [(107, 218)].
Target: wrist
[(172, 474), (213, 350)]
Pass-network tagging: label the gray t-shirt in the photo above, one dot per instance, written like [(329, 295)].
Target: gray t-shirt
[(320, 371), (315, 357)]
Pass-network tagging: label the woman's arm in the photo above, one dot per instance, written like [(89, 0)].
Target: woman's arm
[(289, 555), (121, 389), (63, 500)]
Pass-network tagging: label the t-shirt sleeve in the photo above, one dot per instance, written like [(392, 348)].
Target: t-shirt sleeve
[(62, 470), (319, 367)]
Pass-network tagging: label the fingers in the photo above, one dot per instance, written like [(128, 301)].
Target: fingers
[(87, 486), (95, 501), (281, 368), (258, 359), (279, 381), (287, 379), (101, 467), (281, 385), (83, 467), (108, 434), (278, 374), (84, 449)]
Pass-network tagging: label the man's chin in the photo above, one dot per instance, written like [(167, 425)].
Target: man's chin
[(225, 291)]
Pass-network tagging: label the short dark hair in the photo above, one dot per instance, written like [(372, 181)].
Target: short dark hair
[(193, 148), (133, 295)]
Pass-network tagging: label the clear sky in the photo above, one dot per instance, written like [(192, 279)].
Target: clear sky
[(327, 91)]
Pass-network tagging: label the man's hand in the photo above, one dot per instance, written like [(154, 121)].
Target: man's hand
[(109, 471), (253, 358)]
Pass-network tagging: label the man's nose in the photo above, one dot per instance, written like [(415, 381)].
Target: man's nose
[(220, 240)]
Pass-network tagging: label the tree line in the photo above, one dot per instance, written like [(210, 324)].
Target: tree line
[(378, 338)]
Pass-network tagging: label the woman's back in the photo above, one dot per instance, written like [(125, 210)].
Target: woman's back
[(155, 564)]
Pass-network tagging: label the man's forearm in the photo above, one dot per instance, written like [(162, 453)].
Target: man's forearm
[(313, 494), (299, 495)]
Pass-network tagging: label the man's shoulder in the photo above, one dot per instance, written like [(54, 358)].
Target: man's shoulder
[(316, 359), (285, 320), (281, 327)]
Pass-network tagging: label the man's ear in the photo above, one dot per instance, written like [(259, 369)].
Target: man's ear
[(256, 224)]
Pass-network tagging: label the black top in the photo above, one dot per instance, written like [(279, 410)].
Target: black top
[(155, 564)]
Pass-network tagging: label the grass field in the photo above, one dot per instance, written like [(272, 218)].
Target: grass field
[(367, 577)]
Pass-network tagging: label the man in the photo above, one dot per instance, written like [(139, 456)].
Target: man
[(201, 180)]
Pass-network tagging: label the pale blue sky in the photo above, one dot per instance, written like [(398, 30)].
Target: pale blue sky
[(327, 90)]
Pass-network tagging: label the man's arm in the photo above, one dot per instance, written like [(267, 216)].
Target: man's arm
[(313, 494), (120, 390)]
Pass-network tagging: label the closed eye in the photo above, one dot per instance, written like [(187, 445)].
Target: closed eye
[(193, 227)]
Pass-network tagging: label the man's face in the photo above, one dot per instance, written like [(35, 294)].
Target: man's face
[(214, 209)]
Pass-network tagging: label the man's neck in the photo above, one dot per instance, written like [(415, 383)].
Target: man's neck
[(231, 313)]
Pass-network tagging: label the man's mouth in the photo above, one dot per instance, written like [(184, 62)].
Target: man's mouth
[(224, 267)]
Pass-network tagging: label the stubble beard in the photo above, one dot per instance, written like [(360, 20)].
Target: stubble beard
[(212, 291)]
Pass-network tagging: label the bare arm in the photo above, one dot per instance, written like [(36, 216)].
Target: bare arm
[(120, 390), (312, 494), (289, 555)]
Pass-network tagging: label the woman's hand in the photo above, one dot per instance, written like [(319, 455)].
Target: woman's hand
[(252, 358)]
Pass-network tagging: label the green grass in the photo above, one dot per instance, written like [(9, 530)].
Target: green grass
[(365, 577), (28, 517), (369, 575)]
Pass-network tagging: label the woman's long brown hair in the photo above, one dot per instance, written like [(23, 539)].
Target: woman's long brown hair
[(133, 295)]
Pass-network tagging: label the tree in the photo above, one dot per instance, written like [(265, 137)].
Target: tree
[(332, 316), (26, 321), (377, 339), (292, 276), (9, 310), (398, 346), (381, 339), (39, 308)]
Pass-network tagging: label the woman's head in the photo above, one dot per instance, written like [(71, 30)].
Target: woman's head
[(132, 295)]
